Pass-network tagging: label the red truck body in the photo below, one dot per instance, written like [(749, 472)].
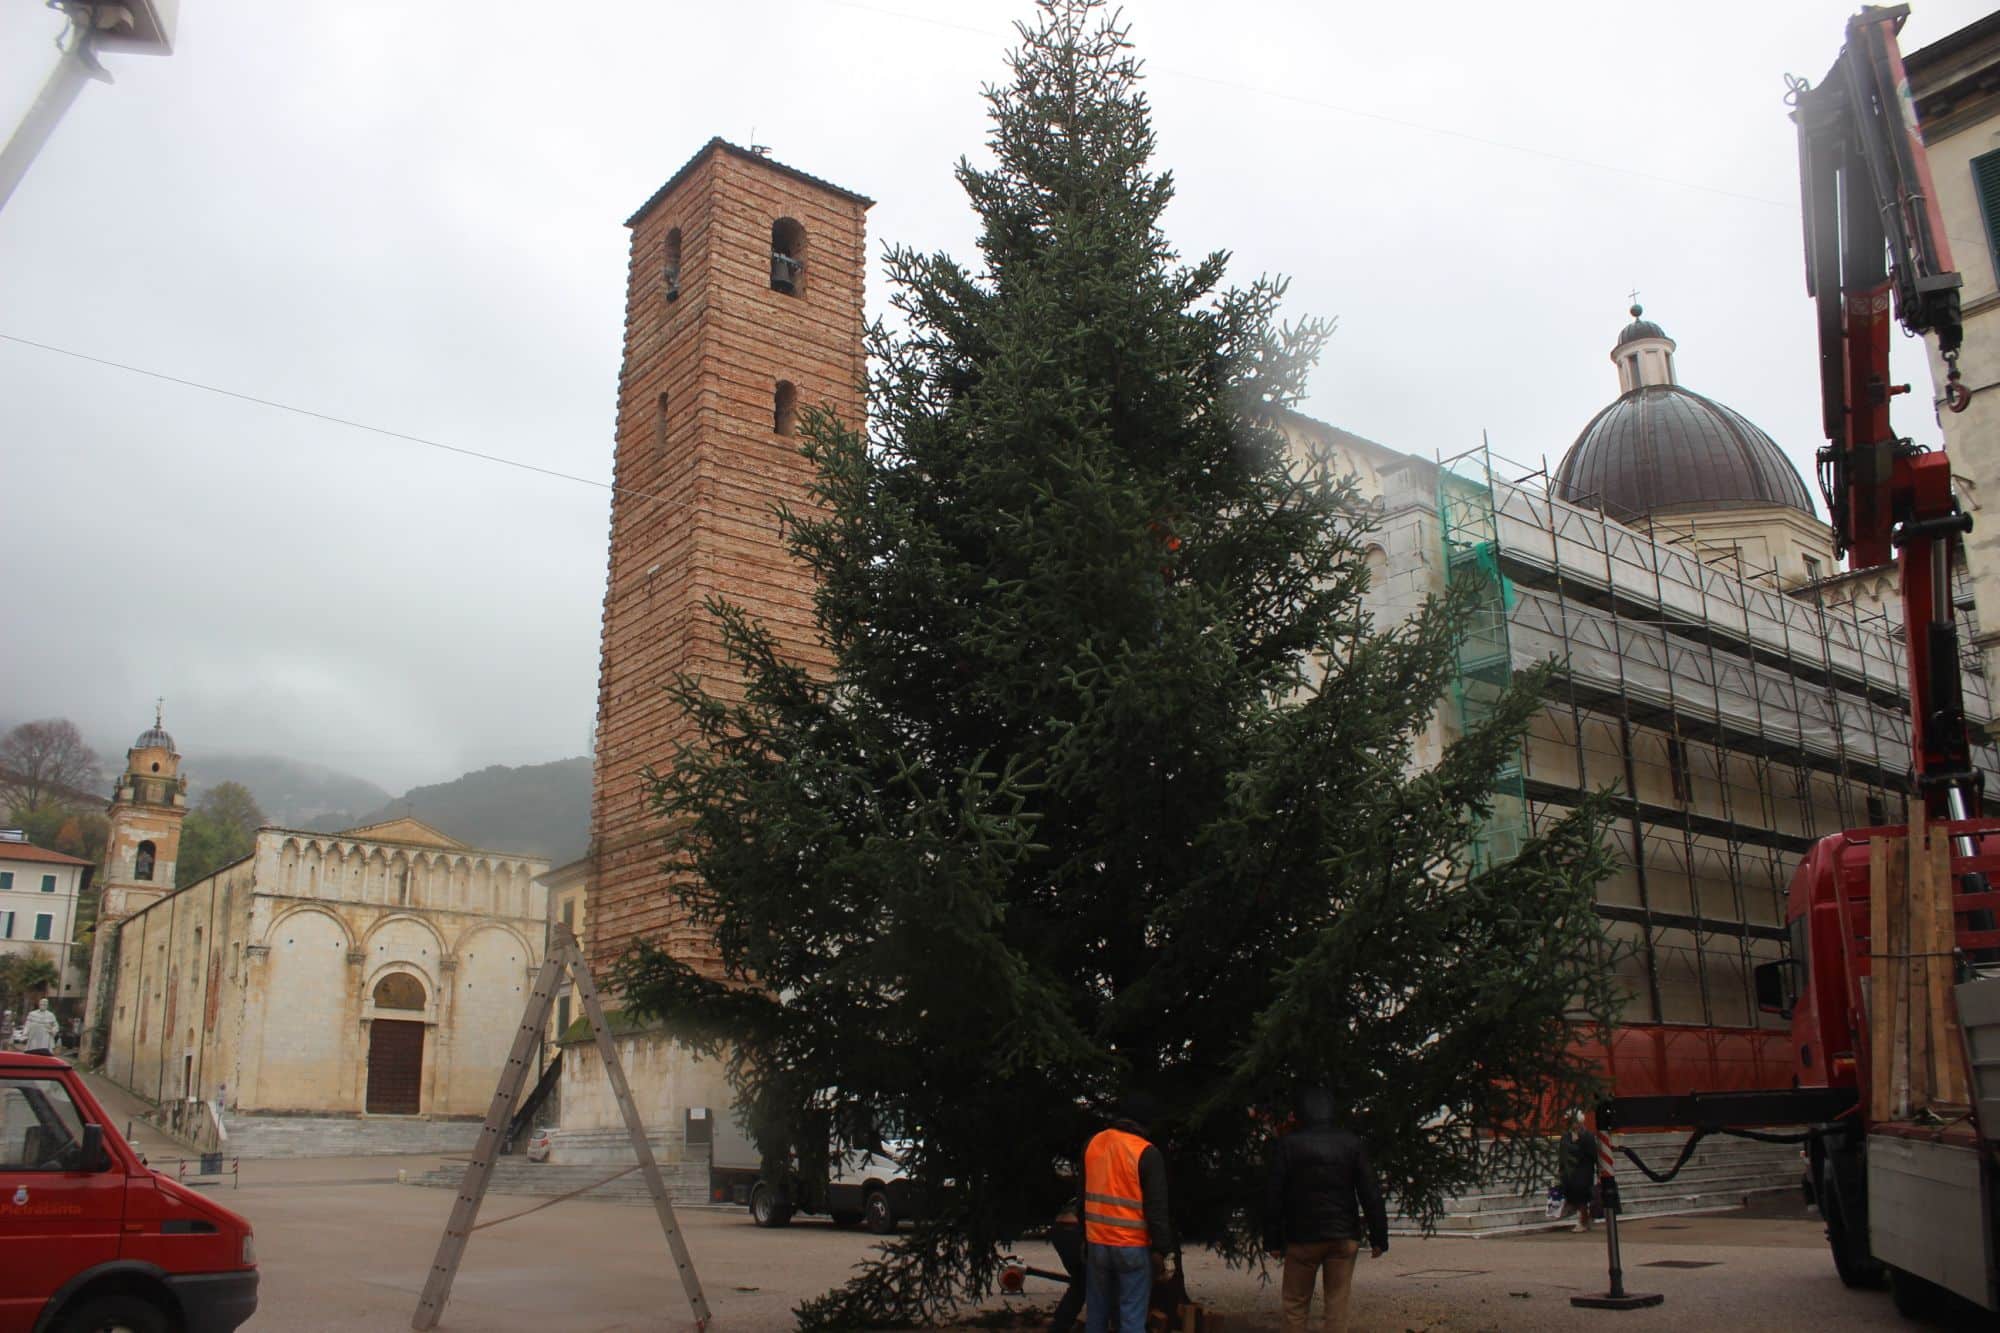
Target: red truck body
[(90, 1237), (1828, 916), (1914, 1200)]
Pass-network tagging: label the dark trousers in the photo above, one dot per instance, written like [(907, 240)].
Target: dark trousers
[(1068, 1242)]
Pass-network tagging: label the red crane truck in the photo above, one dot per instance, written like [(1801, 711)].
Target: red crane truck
[(1891, 985), (90, 1237)]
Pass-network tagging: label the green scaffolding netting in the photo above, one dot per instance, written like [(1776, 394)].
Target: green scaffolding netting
[(1485, 658)]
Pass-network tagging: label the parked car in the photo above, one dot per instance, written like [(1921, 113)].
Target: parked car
[(864, 1187)]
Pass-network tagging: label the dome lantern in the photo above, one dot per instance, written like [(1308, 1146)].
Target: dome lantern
[(1644, 354)]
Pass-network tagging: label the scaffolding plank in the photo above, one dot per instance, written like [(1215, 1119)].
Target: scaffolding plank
[(1883, 868), (1947, 1084)]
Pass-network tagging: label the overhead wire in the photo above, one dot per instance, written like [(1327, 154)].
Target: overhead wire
[(1370, 602), (328, 417)]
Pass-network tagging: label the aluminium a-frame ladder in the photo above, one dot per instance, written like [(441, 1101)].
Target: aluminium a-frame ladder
[(563, 955)]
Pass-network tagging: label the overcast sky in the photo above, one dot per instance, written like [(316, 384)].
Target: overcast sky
[(410, 215)]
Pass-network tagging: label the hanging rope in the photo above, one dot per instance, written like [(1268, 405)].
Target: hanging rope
[(550, 1203)]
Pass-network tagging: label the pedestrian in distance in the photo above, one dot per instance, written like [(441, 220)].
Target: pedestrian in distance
[(1320, 1197), (1576, 1157), (1127, 1236)]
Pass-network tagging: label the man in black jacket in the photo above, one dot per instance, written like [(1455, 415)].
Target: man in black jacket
[(1320, 1192)]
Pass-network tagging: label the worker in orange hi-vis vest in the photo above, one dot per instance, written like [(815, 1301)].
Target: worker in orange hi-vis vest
[(1127, 1237)]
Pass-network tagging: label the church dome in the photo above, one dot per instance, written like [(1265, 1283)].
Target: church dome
[(1661, 447), (154, 738)]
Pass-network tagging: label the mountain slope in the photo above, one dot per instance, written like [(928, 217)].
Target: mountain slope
[(533, 810), (290, 791)]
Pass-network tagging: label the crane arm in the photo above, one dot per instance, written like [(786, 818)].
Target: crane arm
[(1876, 251)]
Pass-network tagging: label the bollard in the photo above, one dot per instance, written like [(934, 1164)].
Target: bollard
[(1617, 1298)]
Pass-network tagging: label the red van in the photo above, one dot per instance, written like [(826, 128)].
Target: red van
[(90, 1239)]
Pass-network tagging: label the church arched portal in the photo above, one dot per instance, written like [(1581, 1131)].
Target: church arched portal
[(396, 1048)]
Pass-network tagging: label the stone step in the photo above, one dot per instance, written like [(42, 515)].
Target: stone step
[(1635, 1185), (1535, 1217), (346, 1136), (1721, 1174)]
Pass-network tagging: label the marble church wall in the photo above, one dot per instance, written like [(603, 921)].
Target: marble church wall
[(264, 984)]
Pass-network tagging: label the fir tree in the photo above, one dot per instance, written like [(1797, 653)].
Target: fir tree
[(1112, 786)]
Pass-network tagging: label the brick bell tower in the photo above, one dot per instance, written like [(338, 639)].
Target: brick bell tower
[(742, 309)]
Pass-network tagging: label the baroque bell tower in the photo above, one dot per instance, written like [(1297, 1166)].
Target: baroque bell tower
[(743, 311), (146, 811)]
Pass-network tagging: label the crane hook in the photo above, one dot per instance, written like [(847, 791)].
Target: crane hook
[(1956, 396)]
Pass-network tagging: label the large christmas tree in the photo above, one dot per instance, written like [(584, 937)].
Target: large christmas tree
[(1112, 787)]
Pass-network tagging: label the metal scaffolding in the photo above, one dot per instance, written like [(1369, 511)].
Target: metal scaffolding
[(1733, 722)]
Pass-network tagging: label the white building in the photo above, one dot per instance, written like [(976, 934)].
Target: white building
[(1955, 83), (38, 895)]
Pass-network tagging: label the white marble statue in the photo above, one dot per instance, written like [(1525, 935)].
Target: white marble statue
[(42, 1025)]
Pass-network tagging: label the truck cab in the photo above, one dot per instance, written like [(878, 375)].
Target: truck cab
[(90, 1237)]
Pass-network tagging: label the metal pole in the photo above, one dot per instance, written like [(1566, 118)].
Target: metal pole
[(1611, 1250), (1617, 1298), (75, 67)]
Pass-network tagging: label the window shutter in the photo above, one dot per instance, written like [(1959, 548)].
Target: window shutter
[(1986, 183)]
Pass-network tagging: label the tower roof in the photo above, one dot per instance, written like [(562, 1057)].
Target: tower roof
[(722, 145), (154, 738)]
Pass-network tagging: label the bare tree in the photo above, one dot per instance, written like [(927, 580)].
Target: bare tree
[(40, 760)]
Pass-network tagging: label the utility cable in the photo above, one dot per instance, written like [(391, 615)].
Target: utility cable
[(328, 417)]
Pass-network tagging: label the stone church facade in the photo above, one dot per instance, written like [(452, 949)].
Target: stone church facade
[(375, 977)]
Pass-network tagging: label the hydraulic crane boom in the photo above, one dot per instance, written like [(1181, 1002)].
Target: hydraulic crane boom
[(1873, 233), (1890, 980)]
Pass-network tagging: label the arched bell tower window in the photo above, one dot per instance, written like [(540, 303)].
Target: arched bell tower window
[(788, 257), (670, 254), (142, 867), (785, 408)]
